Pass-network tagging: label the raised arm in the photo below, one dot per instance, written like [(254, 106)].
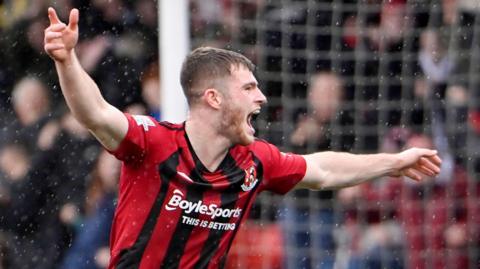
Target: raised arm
[(332, 170), (107, 123)]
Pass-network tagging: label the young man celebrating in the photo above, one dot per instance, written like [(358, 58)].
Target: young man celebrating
[(185, 188)]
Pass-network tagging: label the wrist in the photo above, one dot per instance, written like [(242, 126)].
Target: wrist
[(394, 163), (69, 59)]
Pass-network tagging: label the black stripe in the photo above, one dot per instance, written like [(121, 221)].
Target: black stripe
[(131, 257), (171, 126), (250, 197), (228, 199), (182, 232)]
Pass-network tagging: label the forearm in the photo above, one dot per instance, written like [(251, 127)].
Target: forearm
[(80, 92), (82, 95), (330, 170)]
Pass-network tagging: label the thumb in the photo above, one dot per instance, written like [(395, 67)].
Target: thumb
[(73, 19), (52, 16), (428, 152)]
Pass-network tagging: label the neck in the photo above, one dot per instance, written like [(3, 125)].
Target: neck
[(209, 146)]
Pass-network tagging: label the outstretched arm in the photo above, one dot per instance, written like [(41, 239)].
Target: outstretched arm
[(107, 123), (331, 170)]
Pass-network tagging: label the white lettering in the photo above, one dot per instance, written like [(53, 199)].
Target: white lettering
[(177, 201)]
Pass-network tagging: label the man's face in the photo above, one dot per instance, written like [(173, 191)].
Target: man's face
[(243, 100), (325, 97)]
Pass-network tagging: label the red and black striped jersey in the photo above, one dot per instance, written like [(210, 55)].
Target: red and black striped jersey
[(174, 213)]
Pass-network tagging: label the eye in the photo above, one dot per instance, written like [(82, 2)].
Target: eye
[(250, 87)]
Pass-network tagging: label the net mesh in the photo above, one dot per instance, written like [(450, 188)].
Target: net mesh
[(361, 76)]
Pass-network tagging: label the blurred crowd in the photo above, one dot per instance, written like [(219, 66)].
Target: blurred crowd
[(339, 75), (57, 185)]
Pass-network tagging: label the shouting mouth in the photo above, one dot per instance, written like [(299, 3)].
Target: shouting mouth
[(251, 117)]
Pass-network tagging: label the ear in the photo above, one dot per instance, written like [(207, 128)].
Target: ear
[(213, 98)]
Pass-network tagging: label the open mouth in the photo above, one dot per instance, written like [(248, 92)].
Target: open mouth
[(251, 117)]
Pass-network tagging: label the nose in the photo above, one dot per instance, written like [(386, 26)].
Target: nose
[(260, 98)]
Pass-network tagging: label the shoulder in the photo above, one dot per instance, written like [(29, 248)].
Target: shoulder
[(172, 126), (148, 123), (262, 149), (154, 132), (261, 144)]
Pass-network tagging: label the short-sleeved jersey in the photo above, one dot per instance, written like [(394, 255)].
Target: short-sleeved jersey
[(174, 213)]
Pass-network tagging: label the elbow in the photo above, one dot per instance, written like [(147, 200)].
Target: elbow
[(320, 187), (331, 181)]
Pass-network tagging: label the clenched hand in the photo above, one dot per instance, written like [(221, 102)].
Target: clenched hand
[(416, 162)]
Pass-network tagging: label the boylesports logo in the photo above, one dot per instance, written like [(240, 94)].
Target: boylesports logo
[(211, 210), (250, 179)]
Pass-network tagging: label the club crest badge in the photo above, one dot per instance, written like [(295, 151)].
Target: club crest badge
[(250, 179)]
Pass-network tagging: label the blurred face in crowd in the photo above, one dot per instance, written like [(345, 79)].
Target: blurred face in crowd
[(30, 100), (148, 11), (242, 101), (449, 11), (14, 161), (325, 96), (393, 20), (112, 10), (420, 141)]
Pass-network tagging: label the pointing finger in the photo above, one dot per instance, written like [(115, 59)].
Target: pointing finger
[(73, 19), (52, 16)]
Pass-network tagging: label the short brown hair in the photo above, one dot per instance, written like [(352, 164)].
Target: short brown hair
[(204, 65)]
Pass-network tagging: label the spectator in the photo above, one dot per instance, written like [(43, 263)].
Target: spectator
[(14, 165), (431, 213), (437, 66), (32, 105), (309, 217), (92, 236), (146, 28), (41, 238), (374, 75), (23, 51)]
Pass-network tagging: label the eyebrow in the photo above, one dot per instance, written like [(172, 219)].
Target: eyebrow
[(253, 84)]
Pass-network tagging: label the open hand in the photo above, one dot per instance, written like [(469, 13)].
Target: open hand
[(416, 163), (60, 39)]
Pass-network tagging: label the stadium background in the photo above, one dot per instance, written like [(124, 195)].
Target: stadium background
[(360, 76)]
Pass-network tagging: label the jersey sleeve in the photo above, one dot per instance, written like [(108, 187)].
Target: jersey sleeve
[(281, 171), (134, 145)]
